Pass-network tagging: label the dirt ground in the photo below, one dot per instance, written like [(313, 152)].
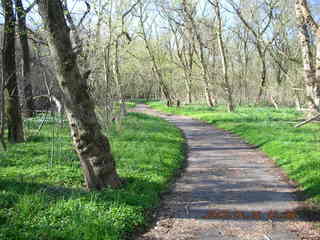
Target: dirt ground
[(228, 191)]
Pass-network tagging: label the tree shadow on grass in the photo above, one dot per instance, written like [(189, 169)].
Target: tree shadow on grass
[(131, 192), (35, 209)]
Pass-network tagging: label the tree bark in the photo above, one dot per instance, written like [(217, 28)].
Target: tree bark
[(92, 146), (15, 123), (311, 67), (28, 106)]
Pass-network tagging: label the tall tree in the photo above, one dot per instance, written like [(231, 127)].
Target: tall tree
[(258, 34), (311, 65), (155, 64), (184, 39), (226, 85), (26, 69), (92, 146), (189, 11), (14, 119)]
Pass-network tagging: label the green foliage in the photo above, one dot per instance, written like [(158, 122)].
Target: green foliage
[(296, 150), (43, 198)]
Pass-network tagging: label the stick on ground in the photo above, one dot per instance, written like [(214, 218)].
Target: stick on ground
[(307, 121)]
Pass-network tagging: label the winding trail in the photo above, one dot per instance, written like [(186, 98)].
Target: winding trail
[(228, 191)]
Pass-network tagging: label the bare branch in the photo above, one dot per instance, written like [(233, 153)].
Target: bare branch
[(31, 6), (85, 14)]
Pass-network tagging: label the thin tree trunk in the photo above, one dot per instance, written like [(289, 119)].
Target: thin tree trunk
[(188, 88), (117, 77), (210, 103), (92, 146), (164, 88), (297, 100), (204, 66), (15, 124), (227, 86), (263, 74), (2, 115), (26, 70), (107, 79), (205, 73)]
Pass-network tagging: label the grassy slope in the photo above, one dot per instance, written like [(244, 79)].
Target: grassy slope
[(43, 199), (295, 150)]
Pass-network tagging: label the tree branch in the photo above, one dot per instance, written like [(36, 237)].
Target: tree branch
[(85, 14)]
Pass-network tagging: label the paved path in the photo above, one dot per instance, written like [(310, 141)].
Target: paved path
[(228, 191)]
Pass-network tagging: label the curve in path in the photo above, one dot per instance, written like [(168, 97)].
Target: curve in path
[(228, 191)]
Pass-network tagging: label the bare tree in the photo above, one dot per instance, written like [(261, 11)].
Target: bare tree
[(92, 146), (185, 52), (258, 35), (184, 40), (226, 85), (188, 10), (155, 65)]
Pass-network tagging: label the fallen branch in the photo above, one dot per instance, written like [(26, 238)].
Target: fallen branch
[(307, 121)]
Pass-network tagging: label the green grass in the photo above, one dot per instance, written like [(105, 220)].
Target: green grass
[(42, 198), (296, 150), (130, 104)]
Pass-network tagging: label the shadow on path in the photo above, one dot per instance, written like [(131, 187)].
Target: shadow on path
[(229, 190)]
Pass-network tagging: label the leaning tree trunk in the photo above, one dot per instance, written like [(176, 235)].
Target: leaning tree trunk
[(15, 124), (28, 107), (91, 145)]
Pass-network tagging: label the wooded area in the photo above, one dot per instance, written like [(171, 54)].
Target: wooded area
[(85, 58)]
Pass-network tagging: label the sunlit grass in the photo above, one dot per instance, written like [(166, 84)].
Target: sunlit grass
[(41, 182)]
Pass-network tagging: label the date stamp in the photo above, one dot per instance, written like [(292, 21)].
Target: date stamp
[(250, 215)]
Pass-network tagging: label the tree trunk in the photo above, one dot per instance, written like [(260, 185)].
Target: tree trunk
[(118, 80), (189, 15), (263, 74), (188, 88), (2, 115), (311, 72), (227, 86), (207, 93), (23, 35), (205, 73), (91, 145), (15, 124)]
